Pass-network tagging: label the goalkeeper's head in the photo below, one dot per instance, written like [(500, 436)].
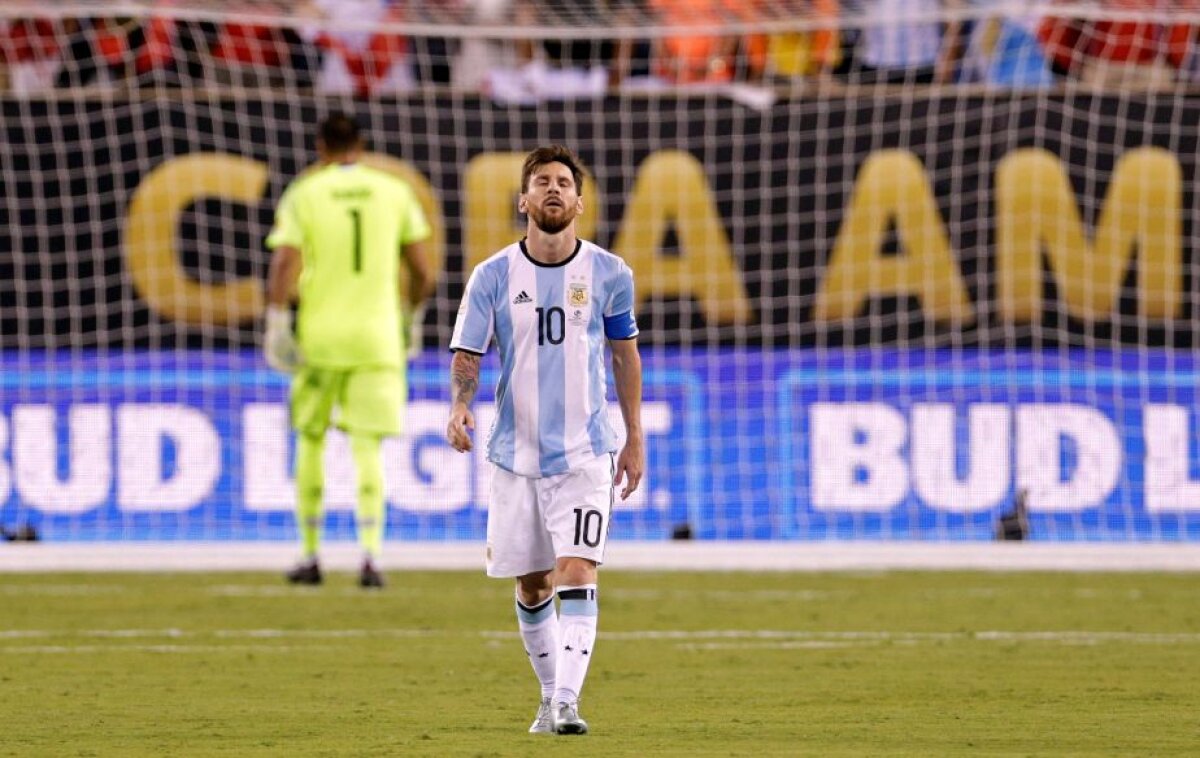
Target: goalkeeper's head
[(338, 139)]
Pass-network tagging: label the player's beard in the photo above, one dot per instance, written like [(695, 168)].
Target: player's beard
[(552, 225)]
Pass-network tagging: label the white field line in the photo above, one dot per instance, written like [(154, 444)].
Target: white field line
[(623, 555), (292, 593), (692, 595), (689, 595), (797, 645), (704, 639), (172, 649), (62, 590), (333, 633)]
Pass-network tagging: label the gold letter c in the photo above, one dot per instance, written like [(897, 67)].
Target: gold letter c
[(150, 238)]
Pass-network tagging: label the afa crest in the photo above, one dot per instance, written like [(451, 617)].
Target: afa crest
[(577, 295)]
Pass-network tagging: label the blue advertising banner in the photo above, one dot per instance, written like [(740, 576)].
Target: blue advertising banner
[(742, 445)]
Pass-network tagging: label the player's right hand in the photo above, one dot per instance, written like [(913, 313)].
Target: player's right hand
[(461, 419), (279, 343)]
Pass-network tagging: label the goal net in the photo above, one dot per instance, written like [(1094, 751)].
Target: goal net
[(900, 266)]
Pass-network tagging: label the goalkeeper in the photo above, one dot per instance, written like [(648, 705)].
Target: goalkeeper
[(340, 231)]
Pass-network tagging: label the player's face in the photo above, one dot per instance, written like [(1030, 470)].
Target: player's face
[(551, 198)]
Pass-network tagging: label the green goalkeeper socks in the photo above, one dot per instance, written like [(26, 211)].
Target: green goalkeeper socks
[(365, 449), (310, 487)]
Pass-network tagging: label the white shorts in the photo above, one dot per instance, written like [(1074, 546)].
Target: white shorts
[(533, 522)]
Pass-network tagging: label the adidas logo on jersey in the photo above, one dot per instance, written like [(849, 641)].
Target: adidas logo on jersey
[(522, 298)]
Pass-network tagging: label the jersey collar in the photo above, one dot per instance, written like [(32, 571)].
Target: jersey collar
[(563, 262)]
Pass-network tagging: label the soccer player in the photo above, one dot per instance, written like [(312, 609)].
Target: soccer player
[(550, 302), (340, 232)]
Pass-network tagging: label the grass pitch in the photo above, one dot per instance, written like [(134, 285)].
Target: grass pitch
[(922, 664)]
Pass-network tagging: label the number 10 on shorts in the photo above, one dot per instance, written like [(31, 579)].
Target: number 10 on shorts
[(589, 526)]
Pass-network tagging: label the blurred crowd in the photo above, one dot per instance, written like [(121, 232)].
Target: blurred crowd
[(333, 46)]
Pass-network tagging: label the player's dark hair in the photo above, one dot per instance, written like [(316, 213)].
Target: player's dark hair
[(553, 154), (339, 133)]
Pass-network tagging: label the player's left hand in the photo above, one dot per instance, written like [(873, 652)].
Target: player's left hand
[(631, 464), (458, 430), (279, 343)]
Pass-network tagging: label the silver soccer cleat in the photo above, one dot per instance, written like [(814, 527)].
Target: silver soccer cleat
[(566, 719), (543, 722)]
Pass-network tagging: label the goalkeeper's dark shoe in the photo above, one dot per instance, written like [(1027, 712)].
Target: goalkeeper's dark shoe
[(308, 572), (369, 577)]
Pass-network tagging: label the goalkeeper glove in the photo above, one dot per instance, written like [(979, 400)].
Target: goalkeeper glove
[(279, 344), (414, 330)]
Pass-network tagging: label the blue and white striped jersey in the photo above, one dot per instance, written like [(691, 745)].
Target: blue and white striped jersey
[(550, 323)]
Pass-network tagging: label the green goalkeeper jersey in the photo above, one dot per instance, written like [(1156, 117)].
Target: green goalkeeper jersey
[(349, 222)]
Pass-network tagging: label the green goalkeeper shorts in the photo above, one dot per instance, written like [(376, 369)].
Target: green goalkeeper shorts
[(358, 400)]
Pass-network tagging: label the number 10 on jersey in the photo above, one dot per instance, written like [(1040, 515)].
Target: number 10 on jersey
[(552, 325)]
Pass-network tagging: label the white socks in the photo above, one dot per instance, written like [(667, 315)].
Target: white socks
[(578, 612), (539, 633)]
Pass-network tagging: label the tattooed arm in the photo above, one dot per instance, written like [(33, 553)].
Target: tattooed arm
[(464, 383)]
